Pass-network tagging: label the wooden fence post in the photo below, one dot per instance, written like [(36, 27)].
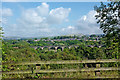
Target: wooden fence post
[(86, 66), (98, 65), (97, 73), (38, 66)]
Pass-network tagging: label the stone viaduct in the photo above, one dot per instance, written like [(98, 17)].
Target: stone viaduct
[(55, 47), (62, 47)]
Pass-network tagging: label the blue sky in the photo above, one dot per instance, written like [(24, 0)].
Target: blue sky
[(36, 19)]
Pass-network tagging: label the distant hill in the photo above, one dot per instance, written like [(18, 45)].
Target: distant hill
[(16, 38)]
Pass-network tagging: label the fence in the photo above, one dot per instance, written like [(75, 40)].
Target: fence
[(95, 66)]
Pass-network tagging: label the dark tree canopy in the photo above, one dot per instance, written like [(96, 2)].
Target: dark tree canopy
[(109, 19)]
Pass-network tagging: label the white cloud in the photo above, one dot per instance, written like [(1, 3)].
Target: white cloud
[(43, 9), (4, 20), (37, 21), (84, 18), (35, 16), (58, 15), (87, 24), (31, 16), (41, 21), (70, 27), (6, 12), (69, 30)]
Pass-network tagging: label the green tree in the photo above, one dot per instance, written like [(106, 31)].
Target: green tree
[(109, 19), (1, 32)]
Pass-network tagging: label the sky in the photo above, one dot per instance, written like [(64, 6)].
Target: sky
[(39, 19)]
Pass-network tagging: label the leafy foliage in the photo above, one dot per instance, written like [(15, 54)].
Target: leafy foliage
[(109, 19)]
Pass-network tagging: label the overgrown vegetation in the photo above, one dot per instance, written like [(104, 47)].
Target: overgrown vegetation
[(89, 47)]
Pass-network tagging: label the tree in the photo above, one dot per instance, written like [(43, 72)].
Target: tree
[(1, 52), (1, 32), (109, 19)]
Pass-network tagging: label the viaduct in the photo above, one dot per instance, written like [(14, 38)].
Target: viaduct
[(55, 47), (62, 47)]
